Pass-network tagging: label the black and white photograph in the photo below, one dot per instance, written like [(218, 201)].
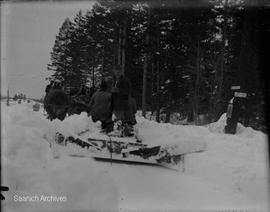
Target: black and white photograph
[(136, 105)]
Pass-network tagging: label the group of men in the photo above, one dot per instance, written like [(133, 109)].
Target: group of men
[(103, 105)]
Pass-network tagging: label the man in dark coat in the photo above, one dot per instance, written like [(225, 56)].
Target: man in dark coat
[(56, 102), (101, 108), (121, 97)]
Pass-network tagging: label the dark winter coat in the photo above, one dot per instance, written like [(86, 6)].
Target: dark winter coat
[(100, 106), (56, 97), (121, 94), (56, 104), (127, 116), (124, 86)]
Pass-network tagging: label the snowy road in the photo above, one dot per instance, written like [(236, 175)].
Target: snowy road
[(147, 188)]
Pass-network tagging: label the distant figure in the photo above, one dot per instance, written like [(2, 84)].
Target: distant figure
[(36, 107), (56, 102), (101, 108)]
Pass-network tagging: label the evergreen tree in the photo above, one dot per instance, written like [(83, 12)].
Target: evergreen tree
[(61, 55), (179, 57)]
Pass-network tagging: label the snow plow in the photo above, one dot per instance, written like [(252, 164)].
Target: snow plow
[(115, 148)]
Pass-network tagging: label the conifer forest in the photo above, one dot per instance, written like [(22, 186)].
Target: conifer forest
[(181, 56)]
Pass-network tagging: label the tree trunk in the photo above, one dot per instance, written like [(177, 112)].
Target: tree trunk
[(119, 45), (248, 58), (168, 109), (168, 115), (197, 85), (145, 67), (158, 94), (93, 72), (153, 99), (115, 61), (190, 115), (158, 77), (218, 105), (103, 60), (123, 46)]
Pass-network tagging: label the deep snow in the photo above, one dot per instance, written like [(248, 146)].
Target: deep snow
[(232, 172)]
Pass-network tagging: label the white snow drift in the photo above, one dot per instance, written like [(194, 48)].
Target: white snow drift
[(232, 172)]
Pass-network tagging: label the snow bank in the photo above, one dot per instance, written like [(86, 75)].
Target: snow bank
[(232, 172), (240, 162), (30, 170), (74, 124), (218, 127), (178, 139)]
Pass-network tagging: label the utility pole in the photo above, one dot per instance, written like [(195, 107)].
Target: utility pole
[(8, 97)]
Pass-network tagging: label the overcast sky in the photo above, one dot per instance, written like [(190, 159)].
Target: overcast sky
[(28, 32)]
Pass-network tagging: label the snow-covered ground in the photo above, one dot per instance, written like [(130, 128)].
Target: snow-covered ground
[(232, 172)]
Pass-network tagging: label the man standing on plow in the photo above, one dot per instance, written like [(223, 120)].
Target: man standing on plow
[(124, 106)]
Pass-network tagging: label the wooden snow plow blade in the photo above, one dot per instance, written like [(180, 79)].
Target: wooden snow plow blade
[(116, 149)]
